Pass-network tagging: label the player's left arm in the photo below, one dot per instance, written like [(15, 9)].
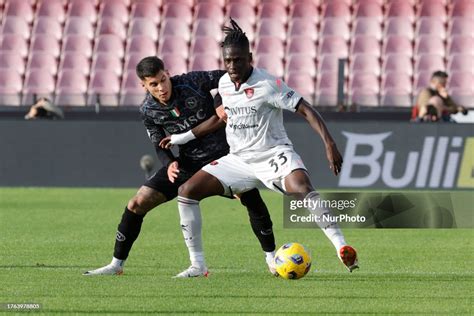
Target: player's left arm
[(317, 123)]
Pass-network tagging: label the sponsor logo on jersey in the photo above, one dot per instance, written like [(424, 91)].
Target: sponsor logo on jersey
[(242, 126), (187, 123), (240, 110), (249, 92), (213, 163), (290, 94)]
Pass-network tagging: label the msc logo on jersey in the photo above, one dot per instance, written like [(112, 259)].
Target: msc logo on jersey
[(249, 92)]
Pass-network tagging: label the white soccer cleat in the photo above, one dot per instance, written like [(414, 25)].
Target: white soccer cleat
[(107, 270), (193, 272), (271, 265), (348, 257)]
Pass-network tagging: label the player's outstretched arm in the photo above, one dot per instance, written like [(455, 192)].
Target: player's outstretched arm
[(208, 126), (317, 123)]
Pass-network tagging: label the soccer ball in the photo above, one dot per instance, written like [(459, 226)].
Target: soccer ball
[(292, 261)]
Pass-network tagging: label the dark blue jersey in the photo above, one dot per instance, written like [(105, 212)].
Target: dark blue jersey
[(190, 104)]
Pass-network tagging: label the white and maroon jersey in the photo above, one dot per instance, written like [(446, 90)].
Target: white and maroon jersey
[(255, 112)]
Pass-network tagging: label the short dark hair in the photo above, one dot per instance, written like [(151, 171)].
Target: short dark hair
[(439, 74), (149, 67), (234, 36)]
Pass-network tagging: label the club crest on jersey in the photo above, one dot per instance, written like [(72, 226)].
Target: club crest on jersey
[(175, 112), (191, 102), (213, 163), (249, 92)]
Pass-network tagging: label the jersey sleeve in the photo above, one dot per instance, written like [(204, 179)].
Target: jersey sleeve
[(207, 80), (282, 96), (156, 133)]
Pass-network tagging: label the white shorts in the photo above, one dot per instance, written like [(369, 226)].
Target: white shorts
[(267, 169)]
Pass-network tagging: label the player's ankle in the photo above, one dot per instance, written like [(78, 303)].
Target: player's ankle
[(118, 263)]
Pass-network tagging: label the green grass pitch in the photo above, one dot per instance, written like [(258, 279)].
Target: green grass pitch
[(48, 237)]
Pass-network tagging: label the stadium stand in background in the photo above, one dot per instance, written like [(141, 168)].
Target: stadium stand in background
[(79, 52)]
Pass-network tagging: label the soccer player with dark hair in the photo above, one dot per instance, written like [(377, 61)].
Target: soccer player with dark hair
[(261, 154), (180, 104)]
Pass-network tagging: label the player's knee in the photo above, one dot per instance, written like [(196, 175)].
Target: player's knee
[(186, 190), (139, 205)]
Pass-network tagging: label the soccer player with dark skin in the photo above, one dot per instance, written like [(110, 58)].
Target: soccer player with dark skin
[(256, 129), (180, 104)]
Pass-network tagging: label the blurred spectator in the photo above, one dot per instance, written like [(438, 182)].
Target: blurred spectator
[(44, 109), (433, 103)]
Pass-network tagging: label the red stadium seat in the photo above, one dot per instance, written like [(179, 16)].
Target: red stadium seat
[(20, 9), (82, 9), (45, 43), (104, 87), (241, 11), (74, 61), (209, 11), (460, 62), (270, 63), (461, 44), (111, 44), (461, 26), (397, 45), (252, 3), (44, 61), (428, 44), (141, 44), (431, 26), (400, 27), (188, 3), (111, 26), (397, 63), (463, 8), (176, 28), (365, 45), (203, 62), (367, 27), (301, 64), (300, 10), (132, 59), (48, 26), (115, 10), (303, 27), (272, 11), (422, 80), (328, 64), (434, 10), (363, 63), (146, 10), (11, 60), (269, 27), (364, 89), (178, 11), (12, 43), (270, 45), (326, 89), (396, 97), (336, 9), (38, 83), (429, 62), (105, 62), (79, 26), (77, 44), (461, 80), (132, 92), (143, 27), (207, 28), (303, 83), (10, 87), (173, 45), (71, 88), (369, 9), (399, 81), (16, 26), (51, 9), (333, 45), (207, 46), (401, 9), (301, 45), (335, 27), (176, 65), (279, 2)]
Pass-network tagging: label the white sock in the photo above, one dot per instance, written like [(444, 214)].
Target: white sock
[(330, 229), (117, 262), (191, 223), (269, 256)]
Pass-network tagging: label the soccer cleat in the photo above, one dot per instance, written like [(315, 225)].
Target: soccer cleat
[(107, 270), (271, 265), (193, 272), (348, 256)]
